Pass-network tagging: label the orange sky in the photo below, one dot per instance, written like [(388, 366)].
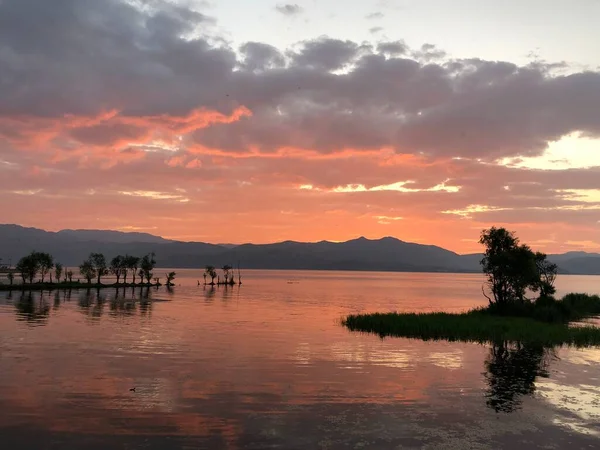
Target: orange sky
[(174, 133)]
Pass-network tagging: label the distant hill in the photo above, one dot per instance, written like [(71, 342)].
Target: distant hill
[(583, 265), (70, 247), (111, 236)]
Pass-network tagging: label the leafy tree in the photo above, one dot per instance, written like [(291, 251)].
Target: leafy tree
[(88, 270), (226, 269), (211, 272), (99, 262), (21, 267), (546, 275), (132, 263), (69, 275), (117, 267), (11, 278), (170, 278), (147, 265), (126, 267), (28, 266), (510, 267), (58, 271), (46, 263)]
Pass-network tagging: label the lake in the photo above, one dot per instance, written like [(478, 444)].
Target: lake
[(268, 365)]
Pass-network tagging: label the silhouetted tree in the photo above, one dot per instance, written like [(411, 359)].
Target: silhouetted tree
[(22, 268), (132, 264), (510, 267), (88, 270), (212, 273), (99, 262), (170, 278), (28, 266), (546, 275), (126, 267), (117, 267), (58, 270), (147, 266), (46, 263), (226, 268), (11, 278), (69, 275)]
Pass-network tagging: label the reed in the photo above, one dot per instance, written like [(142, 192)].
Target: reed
[(546, 323)]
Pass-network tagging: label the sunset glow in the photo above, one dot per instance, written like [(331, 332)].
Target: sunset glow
[(185, 132)]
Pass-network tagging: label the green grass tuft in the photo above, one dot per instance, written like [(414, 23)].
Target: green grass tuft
[(545, 324)]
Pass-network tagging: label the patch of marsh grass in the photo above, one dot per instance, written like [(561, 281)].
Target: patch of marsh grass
[(545, 323)]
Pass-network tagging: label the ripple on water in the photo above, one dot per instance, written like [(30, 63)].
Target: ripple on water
[(268, 365)]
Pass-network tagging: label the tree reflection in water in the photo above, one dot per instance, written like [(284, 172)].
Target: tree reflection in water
[(209, 292), (511, 371), (33, 308)]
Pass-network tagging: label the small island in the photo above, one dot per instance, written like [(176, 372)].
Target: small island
[(228, 276), (38, 271), (512, 271)]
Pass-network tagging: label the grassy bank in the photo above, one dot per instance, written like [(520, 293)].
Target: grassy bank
[(72, 285), (545, 323)]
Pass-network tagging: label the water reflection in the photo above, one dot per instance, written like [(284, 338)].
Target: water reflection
[(268, 365), (511, 372), (33, 308), (226, 292), (511, 369)]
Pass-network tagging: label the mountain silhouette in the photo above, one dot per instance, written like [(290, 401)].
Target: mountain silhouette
[(71, 247)]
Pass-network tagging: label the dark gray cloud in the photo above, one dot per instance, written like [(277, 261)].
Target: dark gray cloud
[(392, 48), (85, 57), (325, 54), (259, 56), (79, 56), (289, 9)]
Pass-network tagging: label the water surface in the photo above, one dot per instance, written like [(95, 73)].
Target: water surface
[(267, 365)]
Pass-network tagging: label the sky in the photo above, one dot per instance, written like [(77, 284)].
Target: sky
[(237, 121)]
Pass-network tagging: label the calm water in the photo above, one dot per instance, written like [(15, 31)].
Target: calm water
[(267, 365)]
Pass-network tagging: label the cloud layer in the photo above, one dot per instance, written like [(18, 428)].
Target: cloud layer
[(119, 114)]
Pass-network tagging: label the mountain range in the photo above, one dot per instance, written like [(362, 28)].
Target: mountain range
[(71, 247)]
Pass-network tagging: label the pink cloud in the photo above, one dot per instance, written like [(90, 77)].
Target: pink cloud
[(319, 141)]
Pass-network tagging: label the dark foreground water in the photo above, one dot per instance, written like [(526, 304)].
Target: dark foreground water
[(267, 365)]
